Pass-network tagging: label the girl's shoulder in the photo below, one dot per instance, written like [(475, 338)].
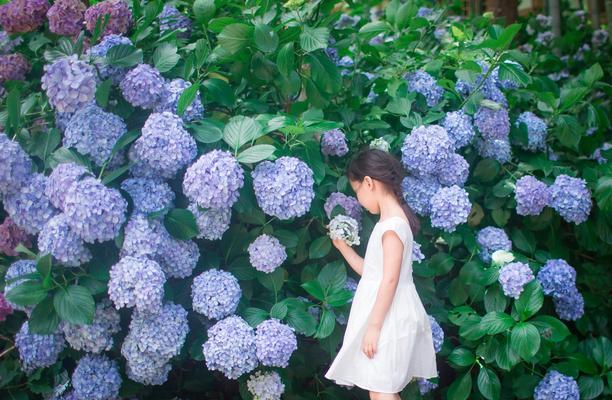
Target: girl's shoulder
[(397, 224)]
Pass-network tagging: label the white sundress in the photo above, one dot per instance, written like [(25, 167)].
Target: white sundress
[(405, 347)]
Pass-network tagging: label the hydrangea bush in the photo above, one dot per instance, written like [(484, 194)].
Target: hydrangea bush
[(172, 177)]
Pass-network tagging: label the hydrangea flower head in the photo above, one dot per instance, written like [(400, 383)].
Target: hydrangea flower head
[(556, 386), (66, 17), (275, 343), (60, 180), (59, 239), (172, 93), (345, 228), (265, 385), (423, 83), (96, 377), (37, 351), (437, 333), (425, 149), (10, 236), (119, 16), (333, 143), (215, 293), (137, 282), (69, 83), (113, 72), (149, 195), (98, 336), (557, 277), (571, 198), (143, 86), (536, 130), (450, 207), (531, 196), (459, 128), (171, 19), (13, 67), (496, 149), (15, 165), (266, 253), (491, 239), (349, 205), (18, 16), (513, 277), (418, 192), (492, 124), (570, 306), (454, 171), (212, 222)]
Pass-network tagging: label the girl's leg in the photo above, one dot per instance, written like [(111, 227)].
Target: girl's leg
[(384, 396)]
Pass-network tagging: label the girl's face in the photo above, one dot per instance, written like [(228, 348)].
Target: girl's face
[(367, 194)]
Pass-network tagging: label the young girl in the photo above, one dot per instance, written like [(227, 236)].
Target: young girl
[(388, 338)]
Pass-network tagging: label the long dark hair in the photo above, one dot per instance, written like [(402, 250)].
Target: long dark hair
[(384, 167)]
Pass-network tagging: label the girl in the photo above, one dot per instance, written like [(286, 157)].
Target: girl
[(388, 338)]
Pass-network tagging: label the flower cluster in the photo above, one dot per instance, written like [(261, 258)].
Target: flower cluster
[(450, 207), (418, 193), (265, 385), (380, 144), (571, 198), (531, 196), (172, 93), (513, 277), (69, 83), (425, 386), (349, 205), (459, 128), (493, 124), (558, 279), (98, 52), (15, 165), (171, 19), (496, 149), (143, 86), (425, 84), (555, 385), (215, 293), (454, 171), (96, 377), (149, 195), (536, 130), (13, 67), (437, 333), (275, 343), (18, 16), (425, 149), (213, 222), (29, 208), (66, 17), (345, 228), (266, 253), (137, 282), (7, 44), (10, 236), (62, 242), (37, 351), (333, 143), (60, 180), (119, 16), (417, 254), (283, 188)]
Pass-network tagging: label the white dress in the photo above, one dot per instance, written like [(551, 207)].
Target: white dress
[(405, 346)]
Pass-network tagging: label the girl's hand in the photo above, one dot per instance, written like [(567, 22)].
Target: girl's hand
[(369, 345), (339, 244)]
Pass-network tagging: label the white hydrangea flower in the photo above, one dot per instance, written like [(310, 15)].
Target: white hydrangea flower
[(344, 227), (502, 257)]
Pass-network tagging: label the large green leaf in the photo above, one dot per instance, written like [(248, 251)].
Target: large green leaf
[(525, 340), (256, 153), (371, 29), (43, 320), (181, 223), (254, 316), (240, 130), (512, 73), (312, 39), (333, 275), (530, 301), (603, 194), (165, 57), (187, 97), (124, 55), (461, 357), (327, 323), (319, 247), (488, 383), (207, 131), (461, 388), (27, 293), (550, 328), (302, 321), (496, 322), (235, 37), (266, 39), (285, 59), (75, 304)]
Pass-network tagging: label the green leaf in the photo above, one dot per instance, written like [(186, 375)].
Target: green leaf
[(75, 304), (462, 357), (279, 310), (43, 266), (187, 97), (315, 289), (603, 193), (550, 328), (43, 320), (593, 74), (327, 323), (312, 39), (165, 57), (207, 131), (570, 96), (319, 247), (123, 55), (266, 39), (235, 37), (340, 298), (102, 92), (441, 263), (371, 29), (325, 74), (496, 322), (591, 387), (218, 91), (508, 35), (240, 130), (512, 73), (27, 293), (204, 9), (274, 280), (568, 131), (486, 170), (285, 60), (461, 388), (523, 240), (333, 276), (13, 107), (488, 383), (302, 321), (181, 224), (525, 340), (254, 316), (116, 173), (256, 153), (530, 301)]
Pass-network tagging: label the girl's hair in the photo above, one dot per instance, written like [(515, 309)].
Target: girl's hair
[(384, 167)]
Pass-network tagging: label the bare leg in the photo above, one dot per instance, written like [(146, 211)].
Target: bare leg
[(384, 396)]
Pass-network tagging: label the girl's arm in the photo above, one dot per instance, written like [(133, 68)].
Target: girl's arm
[(350, 255)]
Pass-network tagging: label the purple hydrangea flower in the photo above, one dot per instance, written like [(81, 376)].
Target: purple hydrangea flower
[(424, 12), (60, 180), (15, 275), (600, 37), (62, 119), (496, 149), (418, 193), (94, 211), (349, 204), (58, 239), (423, 83), (536, 130), (266, 253), (215, 293), (178, 258), (98, 336), (29, 208), (333, 143), (149, 195), (417, 254), (13, 67), (171, 19), (144, 237), (19, 16), (492, 124), (98, 52), (450, 206), (230, 347), (169, 102), (284, 188), (15, 165), (96, 377), (69, 83), (454, 171), (346, 21), (557, 278), (143, 86), (7, 44), (425, 386), (275, 343), (66, 17), (214, 180), (266, 385), (119, 16), (5, 308), (513, 277), (544, 38), (164, 148), (37, 351), (491, 239), (570, 306), (425, 149), (531, 196), (212, 222), (597, 156), (459, 128), (437, 333), (10, 236), (556, 386), (94, 132), (137, 282), (571, 198)]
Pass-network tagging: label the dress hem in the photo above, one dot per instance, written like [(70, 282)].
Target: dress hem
[(352, 384)]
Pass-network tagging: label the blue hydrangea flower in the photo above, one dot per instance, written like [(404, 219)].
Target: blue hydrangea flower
[(178, 258), (489, 88), (418, 193), (58, 239), (496, 149), (37, 351), (15, 275), (137, 282), (349, 204), (557, 278), (513, 277), (144, 237), (424, 12), (597, 156), (143, 86), (266, 385), (98, 336), (173, 91), (230, 347), (531, 196), (96, 377), (215, 293), (7, 44), (28, 207), (95, 212), (450, 206), (536, 130), (417, 254), (69, 83), (570, 306), (266, 253), (275, 343), (164, 147), (425, 149), (60, 180), (571, 198), (149, 195), (62, 119), (171, 19), (94, 132), (284, 188), (425, 386), (491, 239), (437, 333), (212, 222), (599, 38), (214, 180), (454, 171), (98, 52), (15, 165), (425, 84), (346, 21), (492, 124), (556, 386), (459, 128), (333, 143)]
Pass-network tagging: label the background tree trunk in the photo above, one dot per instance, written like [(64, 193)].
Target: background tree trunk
[(507, 9), (594, 11), (554, 10), (609, 17)]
